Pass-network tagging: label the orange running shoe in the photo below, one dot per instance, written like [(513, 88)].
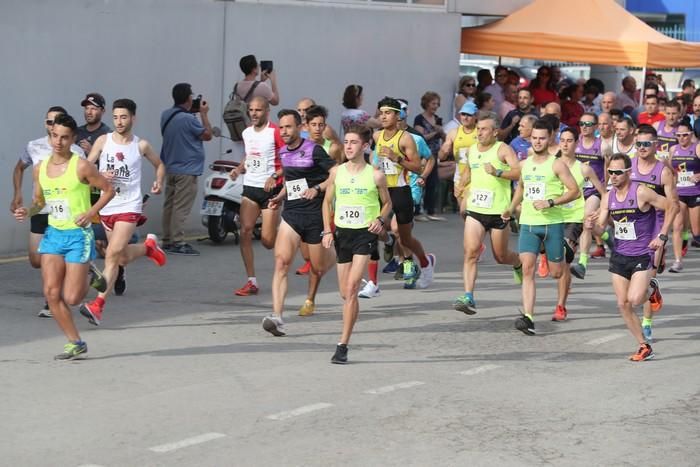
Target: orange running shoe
[(543, 266), (655, 299), (644, 353), (153, 251), (599, 252), (559, 313), (304, 270), (248, 289)]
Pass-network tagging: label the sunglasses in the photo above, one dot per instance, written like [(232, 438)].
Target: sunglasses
[(586, 124), (466, 114), (617, 172), (469, 85), (644, 144), (48, 122), (683, 134)]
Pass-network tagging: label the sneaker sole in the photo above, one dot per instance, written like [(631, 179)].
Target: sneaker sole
[(44, 314), (558, 320), (465, 309), (338, 362), (577, 275), (91, 318), (244, 294), (522, 327), (270, 326)]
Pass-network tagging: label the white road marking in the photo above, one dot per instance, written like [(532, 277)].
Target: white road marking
[(299, 411), (90, 465), (604, 339), (479, 369), (394, 387), (203, 438)]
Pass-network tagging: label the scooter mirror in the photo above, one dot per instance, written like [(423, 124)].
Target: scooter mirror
[(216, 131)]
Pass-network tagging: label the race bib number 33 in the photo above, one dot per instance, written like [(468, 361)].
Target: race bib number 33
[(255, 165), (295, 188)]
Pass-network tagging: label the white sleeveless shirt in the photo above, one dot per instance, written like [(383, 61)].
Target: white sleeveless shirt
[(125, 161)]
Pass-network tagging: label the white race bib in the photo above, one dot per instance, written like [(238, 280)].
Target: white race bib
[(295, 188), (587, 183), (255, 165), (535, 191), (388, 166), (481, 198), (58, 209), (625, 231), (352, 215), (685, 179), (462, 155), (121, 189)]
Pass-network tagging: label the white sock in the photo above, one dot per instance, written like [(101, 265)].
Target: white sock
[(253, 281)]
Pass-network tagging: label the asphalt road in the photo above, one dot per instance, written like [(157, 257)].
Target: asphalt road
[(180, 373)]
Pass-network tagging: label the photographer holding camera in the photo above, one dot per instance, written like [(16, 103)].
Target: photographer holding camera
[(265, 86), (183, 155)]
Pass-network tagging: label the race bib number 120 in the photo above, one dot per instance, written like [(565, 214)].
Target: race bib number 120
[(352, 215)]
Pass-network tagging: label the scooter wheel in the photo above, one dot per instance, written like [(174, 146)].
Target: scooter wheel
[(236, 238), (217, 229)]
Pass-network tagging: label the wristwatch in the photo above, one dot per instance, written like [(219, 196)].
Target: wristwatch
[(499, 172), (551, 202), (274, 176), (663, 238)]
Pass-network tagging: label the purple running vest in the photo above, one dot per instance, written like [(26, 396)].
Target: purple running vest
[(686, 163), (666, 139), (634, 229), (653, 181), (592, 157)]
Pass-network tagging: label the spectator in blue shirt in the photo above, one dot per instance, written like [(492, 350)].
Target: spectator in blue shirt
[(183, 156)]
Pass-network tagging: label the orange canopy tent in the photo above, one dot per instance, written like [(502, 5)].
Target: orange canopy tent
[(594, 31)]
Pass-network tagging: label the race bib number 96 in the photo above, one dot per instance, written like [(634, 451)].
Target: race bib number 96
[(625, 231)]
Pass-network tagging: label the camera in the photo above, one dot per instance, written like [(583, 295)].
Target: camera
[(196, 104), (266, 66), (438, 121)]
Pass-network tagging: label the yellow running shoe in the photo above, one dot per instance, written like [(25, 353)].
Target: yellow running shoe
[(307, 309)]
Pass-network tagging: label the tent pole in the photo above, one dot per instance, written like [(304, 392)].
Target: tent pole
[(499, 60), (644, 78)]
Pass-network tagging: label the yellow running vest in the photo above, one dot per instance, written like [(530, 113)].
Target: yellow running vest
[(66, 196), (395, 174), (488, 194), (463, 141), (540, 183), (356, 198)]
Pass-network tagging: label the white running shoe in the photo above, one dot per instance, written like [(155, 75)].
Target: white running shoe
[(426, 276), (370, 290), (274, 325)]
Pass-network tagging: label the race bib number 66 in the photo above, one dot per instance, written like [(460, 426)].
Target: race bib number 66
[(295, 188)]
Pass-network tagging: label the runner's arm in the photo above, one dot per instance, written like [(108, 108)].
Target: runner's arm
[(671, 193), (87, 173), (507, 155), (411, 161), (448, 146), (96, 150), (514, 202), (150, 154), (572, 192), (379, 224), (327, 206), (593, 178), (17, 174), (38, 201), (662, 203), (598, 221)]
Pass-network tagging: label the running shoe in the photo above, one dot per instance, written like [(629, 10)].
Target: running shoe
[(274, 325), (518, 274), (370, 290), (525, 325), (578, 270), (599, 252), (391, 266), (677, 266), (465, 304), (183, 249), (644, 353), (426, 276), (153, 251), (433, 217), (97, 280), (45, 312), (695, 244), (646, 331), (72, 350), (248, 289), (92, 312), (167, 247), (389, 249), (421, 218), (304, 269), (120, 283), (398, 273), (655, 298), (610, 240), (543, 266), (308, 308), (559, 313), (341, 354), (410, 269)]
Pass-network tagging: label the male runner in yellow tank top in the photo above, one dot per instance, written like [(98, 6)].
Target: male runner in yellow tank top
[(357, 202), (397, 154), (62, 182), (457, 143), (491, 166)]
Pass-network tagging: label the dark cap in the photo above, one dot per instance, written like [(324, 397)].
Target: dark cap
[(94, 99)]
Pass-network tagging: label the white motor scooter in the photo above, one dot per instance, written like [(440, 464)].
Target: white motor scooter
[(222, 201)]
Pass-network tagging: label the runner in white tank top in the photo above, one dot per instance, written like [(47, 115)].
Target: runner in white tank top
[(120, 156)]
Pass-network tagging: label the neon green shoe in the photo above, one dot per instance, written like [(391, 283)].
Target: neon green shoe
[(72, 350)]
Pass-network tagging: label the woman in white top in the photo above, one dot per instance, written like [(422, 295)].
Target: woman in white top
[(353, 115)]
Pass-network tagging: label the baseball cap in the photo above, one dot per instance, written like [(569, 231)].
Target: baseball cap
[(94, 99), (468, 108)]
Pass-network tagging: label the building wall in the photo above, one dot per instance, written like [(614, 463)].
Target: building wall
[(691, 9), (54, 53)]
